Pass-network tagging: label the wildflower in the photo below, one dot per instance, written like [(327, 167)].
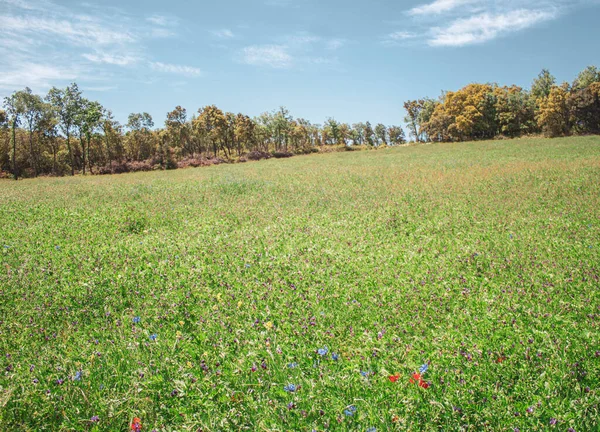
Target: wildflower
[(153, 337), (268, 325), (424, 384), (57, 247), (78, 376), (500, 359), (136, 425), (254, 368), (181, 323), (322, 351), (372, 429), (365, 374), (136, 319), (31, 368), (529, 410), (263, 364), (394, 378), (416, 377), (60, 381), (424, 368), (178, 334), (553, 421), (292, 365), (174, 393), (335, 357), (291, 388), (95, 419), (248, 266), (349, 412), (291, 406), (35, 381)]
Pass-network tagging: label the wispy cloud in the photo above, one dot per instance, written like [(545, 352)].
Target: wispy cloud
[(176, 69), (223, 33), (439, 6), (485, 27), (457, 23), (113, 59), (335, 44), (35, 75), (275, 56)]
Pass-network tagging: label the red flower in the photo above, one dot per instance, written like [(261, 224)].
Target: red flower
[(136, 425), (500, 359), (394, 378), (415, 378), (423, 384)]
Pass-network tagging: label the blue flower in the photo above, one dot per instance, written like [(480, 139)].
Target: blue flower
[(292, 365), (57, 247), (335, 357), (365, 374), (424, 368), (372, 429), (350, 411), (153, 337), (247, 265), (322, 351), (291, 388), (78, 376), (136, 319)]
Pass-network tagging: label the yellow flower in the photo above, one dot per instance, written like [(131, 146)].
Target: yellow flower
[(178, 334), (181, 323), (240, 304), (269, 325)]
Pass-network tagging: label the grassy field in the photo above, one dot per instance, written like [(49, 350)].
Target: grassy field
[(283, 294)]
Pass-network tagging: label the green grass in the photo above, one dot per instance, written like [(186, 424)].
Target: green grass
[(480, 258)]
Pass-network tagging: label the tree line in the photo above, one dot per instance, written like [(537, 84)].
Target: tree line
[(487, 111), (64, 133)]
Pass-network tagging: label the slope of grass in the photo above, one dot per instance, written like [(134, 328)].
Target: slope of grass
[(191, 299)]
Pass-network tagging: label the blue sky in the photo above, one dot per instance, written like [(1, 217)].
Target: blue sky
[(352, 60)]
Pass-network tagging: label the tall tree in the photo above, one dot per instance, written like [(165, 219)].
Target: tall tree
[(543, 84), (15, 108), (413, 117), (587, 77), (553, 116), (66, 103), (32, 114), (87, 120), (381, 134), (396, 135)]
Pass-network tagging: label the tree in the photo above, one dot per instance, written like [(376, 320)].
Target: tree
[(584, 109), (413, 118), (553, 115), (211, 125), (542, 85), (369, 134), (396, 134), (586, 77), (66, 104), (87, 120), (112, 132), (15, 108), (176, 124), (515, 111), (139, 125), (47, 127), (381, 134), (332, 131), (32, 114)]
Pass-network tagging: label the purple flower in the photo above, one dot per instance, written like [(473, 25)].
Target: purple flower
[(553, 421), (530, 410), (335, 357), (291, 388), (291, 406), (77, 376), (292, 365), (322, 351), (60, 381), (95, 419)]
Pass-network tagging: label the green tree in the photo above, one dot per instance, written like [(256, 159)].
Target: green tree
[(15, 109), (381, 134), (66, 103), (396, 134), (543, 84), (413, 119), (587, 77)]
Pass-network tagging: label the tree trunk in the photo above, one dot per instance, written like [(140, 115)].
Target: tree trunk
[(89, 142), (82, 141), (70, 154), (14, 140), (32, 154)]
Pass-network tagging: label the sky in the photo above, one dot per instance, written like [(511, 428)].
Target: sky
[(351, 60)]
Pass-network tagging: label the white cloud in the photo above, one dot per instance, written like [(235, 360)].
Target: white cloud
[(439, 6), (176, 69), (113, 59), (401, 35), (335, 44), (275, 56), (485, 27), (159, 20), (223, 34), (35, 75)]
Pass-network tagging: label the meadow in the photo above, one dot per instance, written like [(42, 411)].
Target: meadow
[(304, 294)]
